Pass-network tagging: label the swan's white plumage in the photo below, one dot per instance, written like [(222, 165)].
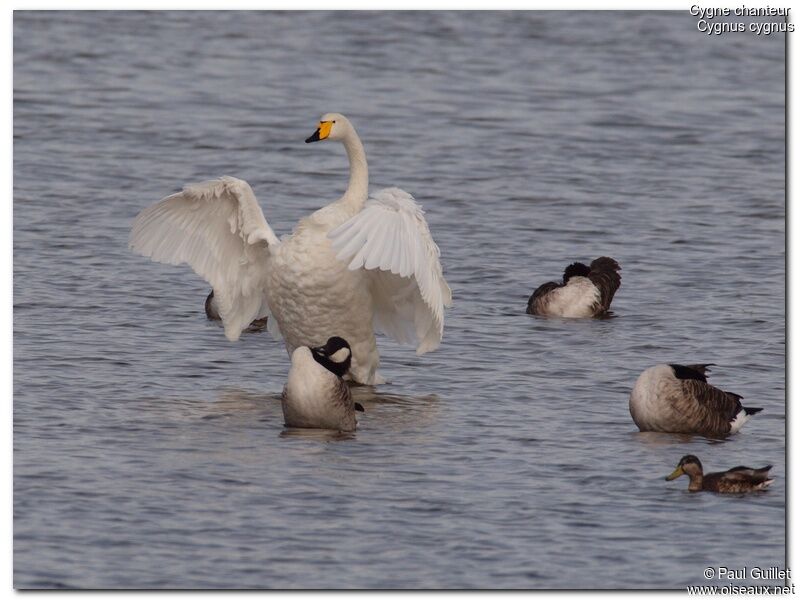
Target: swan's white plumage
[(218, 229), (348, 269), (391, 240)]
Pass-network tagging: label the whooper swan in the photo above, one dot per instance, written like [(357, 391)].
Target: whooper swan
[(349, 269)]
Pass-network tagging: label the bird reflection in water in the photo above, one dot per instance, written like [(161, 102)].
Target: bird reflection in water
[(658, 439), (382, 411), (238, 403)]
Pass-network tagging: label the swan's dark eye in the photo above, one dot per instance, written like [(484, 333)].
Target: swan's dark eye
[(333, 121)]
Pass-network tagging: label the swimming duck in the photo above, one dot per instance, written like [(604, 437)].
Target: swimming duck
[(732, 481), (350, 268), (212, 313), (584, 291), (678, 399), (315, 395)]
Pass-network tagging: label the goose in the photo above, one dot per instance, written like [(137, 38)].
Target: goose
[(678, 399), (584, 291), (315, 395), (352, 267), (732, 481)]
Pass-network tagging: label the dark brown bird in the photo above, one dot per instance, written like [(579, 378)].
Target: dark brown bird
[(213, 315), (733, 481), (584, 292), (678, 399)]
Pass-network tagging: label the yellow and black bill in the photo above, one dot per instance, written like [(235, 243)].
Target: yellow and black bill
[(322, 132)]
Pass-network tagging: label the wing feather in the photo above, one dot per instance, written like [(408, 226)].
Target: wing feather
[(604, 274), (389, 249), (218, 229), (390, 239), (748, 473), (537, 303), (711, 406)]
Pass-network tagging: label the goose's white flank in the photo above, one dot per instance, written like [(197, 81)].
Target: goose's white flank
[(348, 269)]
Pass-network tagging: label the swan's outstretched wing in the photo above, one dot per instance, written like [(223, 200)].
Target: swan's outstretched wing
[(218, 229), (390, 239)]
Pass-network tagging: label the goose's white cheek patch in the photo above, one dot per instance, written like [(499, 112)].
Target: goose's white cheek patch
[(340, 355)]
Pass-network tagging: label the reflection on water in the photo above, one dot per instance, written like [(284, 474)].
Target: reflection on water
[(393, 411), (505, 459), (657, 439), (370, 394), (233, 399), (382, 412), (320, 435)]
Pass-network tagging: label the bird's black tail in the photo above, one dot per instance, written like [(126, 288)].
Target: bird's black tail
[(604, 274)]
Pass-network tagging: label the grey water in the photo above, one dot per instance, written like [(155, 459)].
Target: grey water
[(150, 452)]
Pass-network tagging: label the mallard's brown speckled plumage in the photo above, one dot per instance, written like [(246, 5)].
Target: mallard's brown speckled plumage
[(737, 480)]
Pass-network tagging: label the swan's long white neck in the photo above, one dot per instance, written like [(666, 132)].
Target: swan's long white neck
[(356, 193)]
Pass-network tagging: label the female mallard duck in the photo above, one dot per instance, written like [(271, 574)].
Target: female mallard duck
[(584, 292), (315, 395), (350, 268), (678, 399), (732, 481)]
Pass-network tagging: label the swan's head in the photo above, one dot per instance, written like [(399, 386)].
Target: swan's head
[(332, 126)]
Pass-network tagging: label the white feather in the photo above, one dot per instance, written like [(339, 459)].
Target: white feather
[(390, 239), (218, 229), (575, 300), (741, 418), (340, 355)]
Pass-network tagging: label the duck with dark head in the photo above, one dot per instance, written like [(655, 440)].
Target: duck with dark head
[(733, 481)]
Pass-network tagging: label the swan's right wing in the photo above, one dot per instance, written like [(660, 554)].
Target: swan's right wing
[(390, 240), (218, 229)]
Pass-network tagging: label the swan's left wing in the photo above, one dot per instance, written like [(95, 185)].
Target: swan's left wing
[(218, 229), (390, 239)]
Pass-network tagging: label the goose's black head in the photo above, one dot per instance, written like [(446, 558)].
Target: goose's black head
[(576, 269), (335, 356), (684, 372)]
